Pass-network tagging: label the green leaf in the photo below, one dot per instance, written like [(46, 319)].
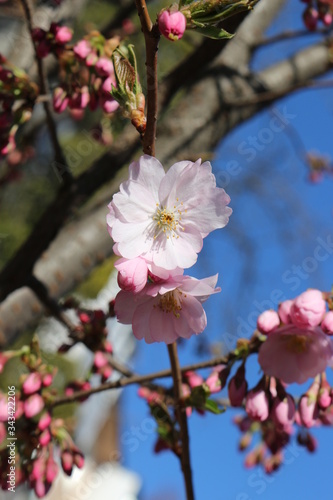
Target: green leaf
[(212, 32), (213, 407)]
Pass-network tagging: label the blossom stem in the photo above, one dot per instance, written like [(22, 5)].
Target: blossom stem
[(152, 37), (182, 420), (60, 160)]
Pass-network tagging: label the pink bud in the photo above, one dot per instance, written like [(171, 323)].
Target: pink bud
[(108, 347), (100, 360), (60, 100), (45, 437), (78, 459), (308, 309), (67, 462), (107, 85), (256, 405), (84, 318), (237, 387), (213, 382), (104, 66), (172, 25), (82, 49), (106, 373), (33, 405), (193, 379), (324, 395), (283, 411), (38, 468), (284, 311), (63, 34), (32, 383), (132, 274), (109, 105), (327, 323), (44, 421), (52, 470), (40, 488), (268, 321), (308, 410), (47, 379)]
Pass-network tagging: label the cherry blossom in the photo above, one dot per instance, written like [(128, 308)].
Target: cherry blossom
[(295, 354), (166, 310), (163, 217)]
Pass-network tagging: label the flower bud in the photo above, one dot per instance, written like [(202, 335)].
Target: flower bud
[(32, 383), (63, 35), (327, 323), (82, 49), (60, 100), (308, 411), (256, 405), (172, 25), (132, 274), (193, 379), (268, 321), (237, 387), (283, 411), (44, 421), (310, 18), (33, 405), (284, 311), (104, 66), (308, 309)]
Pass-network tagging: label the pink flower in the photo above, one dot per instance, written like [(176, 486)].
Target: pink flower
[(33, 405), (100, 360), (327, 323), (283, 411), (104, 66), (284, 311), (268, 321), (308, 411), (44, 421), (63, 34), (132, 274), (109, 105), (163, 217), (308, 309), (256, 405), (214, 381), (295, 354), (82, 49), (193, 379), (166, 310), (32, 383), (172, 25)]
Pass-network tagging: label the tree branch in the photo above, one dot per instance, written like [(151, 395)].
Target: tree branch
[(182, 420), (60, 160)]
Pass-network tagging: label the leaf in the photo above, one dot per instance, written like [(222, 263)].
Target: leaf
[(213, 407), (213, 32)]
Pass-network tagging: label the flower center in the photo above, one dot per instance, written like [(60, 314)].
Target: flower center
[(168, 221), (171, 302), (297, 343)]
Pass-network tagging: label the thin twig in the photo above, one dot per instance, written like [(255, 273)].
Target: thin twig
[(182, 420), (60, 161), (152, 37)]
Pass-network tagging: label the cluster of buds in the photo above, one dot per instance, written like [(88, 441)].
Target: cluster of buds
[(273, 413), (92, 332), (317, 10), (37, 433), (200, 15), (17, 99), (87, 75), (52, 41)]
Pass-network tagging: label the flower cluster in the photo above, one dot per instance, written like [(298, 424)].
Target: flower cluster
[(298, 345), (158, 221), (87, 75), (317, 10), (36, 431), (54, 40)]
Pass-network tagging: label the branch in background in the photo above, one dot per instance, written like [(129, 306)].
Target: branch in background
[(290, 35), (60, 161), (152, 37), (141, 379), (180, 409)]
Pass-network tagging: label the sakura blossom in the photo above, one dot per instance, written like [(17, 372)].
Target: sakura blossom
[(294, 354), (168, 309), (163, 217)]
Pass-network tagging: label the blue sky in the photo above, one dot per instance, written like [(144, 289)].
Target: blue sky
[(265, 254)]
